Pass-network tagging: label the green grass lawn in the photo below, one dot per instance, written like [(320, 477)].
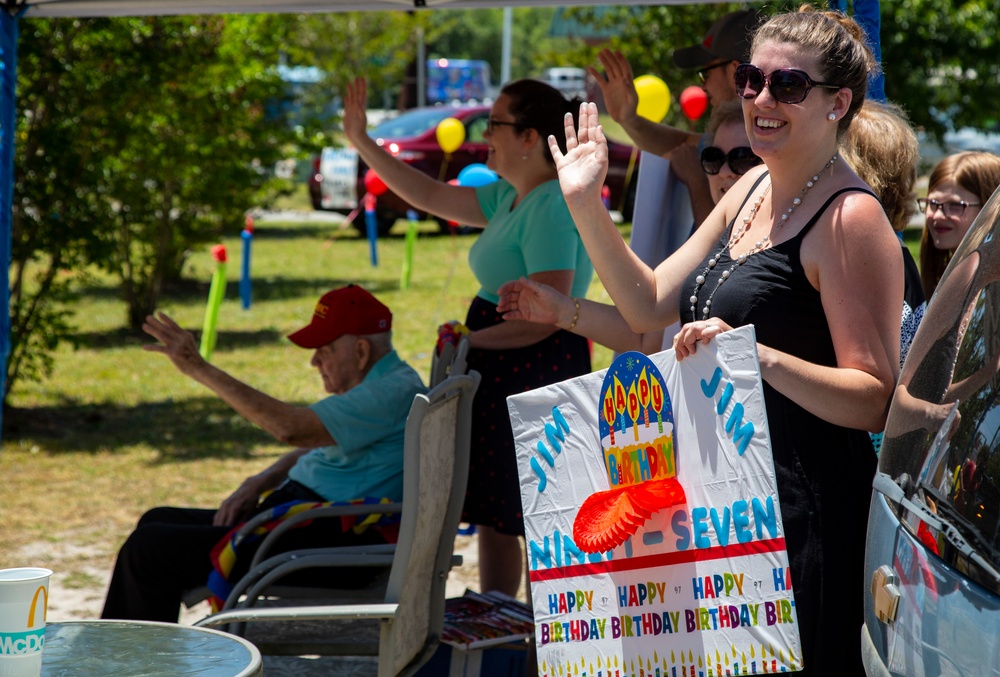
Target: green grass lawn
[(117, 430)]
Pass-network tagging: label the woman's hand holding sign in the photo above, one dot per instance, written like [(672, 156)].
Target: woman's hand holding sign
[(686, 340)]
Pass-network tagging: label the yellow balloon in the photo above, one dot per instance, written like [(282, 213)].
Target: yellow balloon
[(654, 97), (450, 134)]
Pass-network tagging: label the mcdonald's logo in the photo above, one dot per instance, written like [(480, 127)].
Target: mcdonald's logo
[(34, 604)]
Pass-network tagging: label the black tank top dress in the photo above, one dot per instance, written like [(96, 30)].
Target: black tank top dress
[(823, 471)]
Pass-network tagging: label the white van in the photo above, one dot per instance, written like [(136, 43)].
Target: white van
[(570, 81)]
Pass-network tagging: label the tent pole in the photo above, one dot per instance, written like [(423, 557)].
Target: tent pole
[(8, 91), (868, 14)]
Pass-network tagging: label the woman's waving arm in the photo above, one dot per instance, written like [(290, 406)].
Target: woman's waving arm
[(455, 203), (647, 299)]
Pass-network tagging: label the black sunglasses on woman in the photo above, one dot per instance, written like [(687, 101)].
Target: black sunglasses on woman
[(740, 159), (787, 85)]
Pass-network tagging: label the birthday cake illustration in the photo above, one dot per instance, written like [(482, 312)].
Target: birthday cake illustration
[(637, 439)]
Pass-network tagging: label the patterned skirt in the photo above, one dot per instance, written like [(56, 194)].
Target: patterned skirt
[(493, 496)]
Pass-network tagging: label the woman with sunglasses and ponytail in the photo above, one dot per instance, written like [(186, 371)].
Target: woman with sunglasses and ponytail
[(527, 231), (802, 250)]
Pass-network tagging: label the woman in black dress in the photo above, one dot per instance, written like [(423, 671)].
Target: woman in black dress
[(801, 249)]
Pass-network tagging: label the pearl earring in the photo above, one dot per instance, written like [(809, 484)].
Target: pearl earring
[(524, 157), (831, 117)]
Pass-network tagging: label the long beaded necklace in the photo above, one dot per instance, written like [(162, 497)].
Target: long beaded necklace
[(760, 245)]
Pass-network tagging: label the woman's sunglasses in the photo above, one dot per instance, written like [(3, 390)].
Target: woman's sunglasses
[(740, 159), (787, 85)]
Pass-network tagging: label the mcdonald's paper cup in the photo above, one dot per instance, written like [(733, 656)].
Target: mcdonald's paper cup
[(24, 600)]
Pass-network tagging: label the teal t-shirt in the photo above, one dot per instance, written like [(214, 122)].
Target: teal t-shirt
[(536, 236), (368, 424)]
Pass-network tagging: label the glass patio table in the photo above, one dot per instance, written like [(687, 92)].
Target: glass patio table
[(88, 648)]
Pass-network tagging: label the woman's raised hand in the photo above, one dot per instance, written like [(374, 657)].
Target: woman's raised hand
[(583, 168), (525, 299), (355, 120), (617, 85)]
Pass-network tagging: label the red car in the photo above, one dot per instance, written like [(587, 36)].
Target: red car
[(337, 181)]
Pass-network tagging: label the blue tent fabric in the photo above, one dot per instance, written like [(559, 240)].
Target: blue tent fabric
[(8, 93), (868, 14)]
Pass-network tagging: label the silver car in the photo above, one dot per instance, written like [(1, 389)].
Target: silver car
[(933, 554)]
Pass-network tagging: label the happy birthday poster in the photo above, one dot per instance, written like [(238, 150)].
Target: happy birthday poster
[(655, 544)]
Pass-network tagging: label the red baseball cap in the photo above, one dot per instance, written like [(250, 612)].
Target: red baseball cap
[(347, 310)]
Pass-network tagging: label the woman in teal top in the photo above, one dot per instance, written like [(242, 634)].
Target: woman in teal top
[(527, 231)]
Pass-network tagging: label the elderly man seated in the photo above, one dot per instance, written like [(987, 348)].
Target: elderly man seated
[(349, 446)]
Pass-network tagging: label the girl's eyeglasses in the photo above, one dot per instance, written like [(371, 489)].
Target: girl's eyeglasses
[(787, 85), (740, 159), (953, 210)]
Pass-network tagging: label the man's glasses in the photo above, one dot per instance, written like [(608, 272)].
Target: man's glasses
[(953, 210), (740, 159), (787, 85), (493, 122), (703, 73)]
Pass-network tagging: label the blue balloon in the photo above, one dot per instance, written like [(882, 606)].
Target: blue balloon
[(475, 175)]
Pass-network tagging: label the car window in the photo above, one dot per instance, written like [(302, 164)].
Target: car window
[(413, 123), (942, 439), (475, 128)]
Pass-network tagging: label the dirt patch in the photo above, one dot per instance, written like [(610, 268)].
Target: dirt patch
[(80, 575)]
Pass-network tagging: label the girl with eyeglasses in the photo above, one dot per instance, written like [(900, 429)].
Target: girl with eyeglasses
[(527, 231), (958, 187), (802, 250)]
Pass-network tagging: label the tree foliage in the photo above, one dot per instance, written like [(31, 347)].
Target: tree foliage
[(137, 139), (478, 34), (940, 61), (647, 36)]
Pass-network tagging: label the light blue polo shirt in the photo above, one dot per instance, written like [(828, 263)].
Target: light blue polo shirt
[(368, 423), (536, 236)]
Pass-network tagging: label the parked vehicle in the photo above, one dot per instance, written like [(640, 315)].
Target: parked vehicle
[(452, 81), (933, 555), (570, 81), (411, 137), (956, 140)]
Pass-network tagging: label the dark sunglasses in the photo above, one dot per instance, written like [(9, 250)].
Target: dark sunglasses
[(492, 122), (740, 159), (703, 73), (953, 210), (787, 85)]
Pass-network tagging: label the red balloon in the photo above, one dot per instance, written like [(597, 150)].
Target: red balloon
[(694, 102), (374, 183)]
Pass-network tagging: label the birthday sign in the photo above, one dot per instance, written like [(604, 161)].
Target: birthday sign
[(654, 534)]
